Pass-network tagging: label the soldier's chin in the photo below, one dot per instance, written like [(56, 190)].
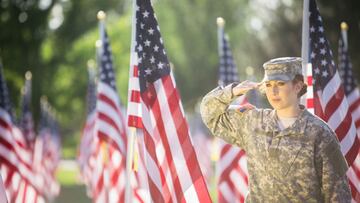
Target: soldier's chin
[(275, 105)]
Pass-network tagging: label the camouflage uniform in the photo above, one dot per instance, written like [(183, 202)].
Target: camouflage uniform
[(302, 163)]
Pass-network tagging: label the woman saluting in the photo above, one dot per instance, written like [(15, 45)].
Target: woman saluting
[(292, 155)]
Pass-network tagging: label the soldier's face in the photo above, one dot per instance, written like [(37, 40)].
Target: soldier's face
[(281, 95)]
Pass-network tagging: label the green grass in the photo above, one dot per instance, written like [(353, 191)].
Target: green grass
[(67, 177), (72, 194), (72, 190)]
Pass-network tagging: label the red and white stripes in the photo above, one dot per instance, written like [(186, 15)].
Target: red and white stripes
[(110, 161), (310, 89), (334, 109), (134, 111), (174, 175), (21, 181), (110, 123), (232, 173)]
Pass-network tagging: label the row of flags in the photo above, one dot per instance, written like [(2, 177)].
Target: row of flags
[(168, 169), (168, 166), (28, 160)]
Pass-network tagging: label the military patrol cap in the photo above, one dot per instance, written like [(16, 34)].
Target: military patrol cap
[(284, 68)]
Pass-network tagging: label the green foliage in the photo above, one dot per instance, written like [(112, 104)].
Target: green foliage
[(70, 80), (190, 35)]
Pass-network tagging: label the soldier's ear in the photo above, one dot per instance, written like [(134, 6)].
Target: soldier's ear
[(298, 86)]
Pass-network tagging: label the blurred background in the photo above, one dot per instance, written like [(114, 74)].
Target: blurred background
[(54, 39)]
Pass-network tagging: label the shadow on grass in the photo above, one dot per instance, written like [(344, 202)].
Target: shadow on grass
[(72, 194)]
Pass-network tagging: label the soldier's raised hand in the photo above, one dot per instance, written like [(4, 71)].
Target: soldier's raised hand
[(244, 87)]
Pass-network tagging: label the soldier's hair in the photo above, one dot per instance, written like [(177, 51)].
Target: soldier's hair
[(300, 78)]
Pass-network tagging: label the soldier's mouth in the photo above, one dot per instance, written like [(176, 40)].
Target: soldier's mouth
[(275, 100)]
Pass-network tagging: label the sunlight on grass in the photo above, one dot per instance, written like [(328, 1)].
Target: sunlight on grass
[(68, 173)]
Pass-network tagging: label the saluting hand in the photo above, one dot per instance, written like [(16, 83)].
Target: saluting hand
[(244, 87)]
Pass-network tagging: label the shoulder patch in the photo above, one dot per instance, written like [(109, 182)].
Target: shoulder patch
[(242, 108)]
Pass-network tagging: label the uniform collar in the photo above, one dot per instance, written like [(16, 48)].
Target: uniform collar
[(270, 123)]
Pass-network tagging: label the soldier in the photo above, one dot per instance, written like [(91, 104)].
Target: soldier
[(292, 155)]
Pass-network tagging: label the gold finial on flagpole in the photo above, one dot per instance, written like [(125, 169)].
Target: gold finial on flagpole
[(28, 75), (98, 43), (220, 22), (101, 15), (344, 26)]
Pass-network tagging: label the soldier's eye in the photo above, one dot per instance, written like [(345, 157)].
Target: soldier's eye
[(267, 84), (281, 83)]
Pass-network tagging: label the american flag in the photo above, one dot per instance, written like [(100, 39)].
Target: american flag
[(15, 158), (353, 97), (110, 131), (27, 191), (47, 150), (26, 120), (349, 82), (330, 102), (232, 166), (228, 72), (88, 147), (173, 171)]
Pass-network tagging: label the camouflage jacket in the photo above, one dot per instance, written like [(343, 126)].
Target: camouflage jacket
[(302, 163)]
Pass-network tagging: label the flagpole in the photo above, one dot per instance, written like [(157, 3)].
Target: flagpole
[(305, 43), (132, 130), (220, 25), (104, 146), (344, 28), (129, 159), (215, 143)]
